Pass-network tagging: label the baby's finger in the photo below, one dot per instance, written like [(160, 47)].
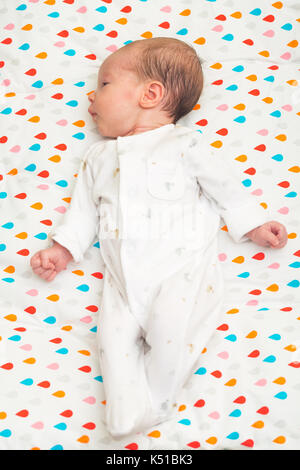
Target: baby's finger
[(52, 276), (35, 261), (46, 274), (271, 239), (45, 260)]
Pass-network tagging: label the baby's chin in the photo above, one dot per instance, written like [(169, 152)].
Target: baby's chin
[(108, 131)]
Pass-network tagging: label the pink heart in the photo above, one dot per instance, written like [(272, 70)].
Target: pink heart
[(274, 266), (59, 44), (26, 347), (38, 425), (9, 26), (222, 256), (30, 97), (15, 149), (257, 192), (287, 107), (43, 186), (90, 400), (32, 292), (270, 33), (214, 415), (218, 28), (261, 382), (286, 56), (222, 107), (166, 9), (112, 48), (283, 210), (60, 209), (252, 302), (86, 319), (53, 366), (62, 122), (263, 132), (223, 355), (82, 10)]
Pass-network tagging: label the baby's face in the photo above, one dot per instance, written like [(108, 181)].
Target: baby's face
[(114, 105)]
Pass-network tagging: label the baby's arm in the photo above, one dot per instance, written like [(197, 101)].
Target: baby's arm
[(49, 262), (74, 235), (244, 216)]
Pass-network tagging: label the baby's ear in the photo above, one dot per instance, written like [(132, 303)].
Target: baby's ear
[(152, 95)]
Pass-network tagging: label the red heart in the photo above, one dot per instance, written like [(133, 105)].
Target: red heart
[(132, 446), (241, 399), (254, 92), (23, 413), (250, 171), (217, 374), (269, 18), (165, 25), (199, 403), (44, 174), (62, 147), (92, 308), (220, 18), (67, 413), (112, 34), (255, 292), (89, 425), (30, 310), (264, 410), (248, 443), (7, 366), (194, 444), (217, 82), (223, 327), (46, 222), (31, 72), (260, 148), (126, 9), (222, 132), (44, 384), (85, 369), (259, 256), (63, 34), (254, 353), (23, 252)]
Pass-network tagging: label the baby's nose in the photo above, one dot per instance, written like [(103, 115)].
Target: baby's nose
[(92, 96)]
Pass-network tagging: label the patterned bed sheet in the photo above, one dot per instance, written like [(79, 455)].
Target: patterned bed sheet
[(244, 393)]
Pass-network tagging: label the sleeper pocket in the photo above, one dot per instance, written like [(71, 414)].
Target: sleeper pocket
[(165, 178)]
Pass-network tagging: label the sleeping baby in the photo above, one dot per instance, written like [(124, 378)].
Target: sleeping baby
[(152, 192)]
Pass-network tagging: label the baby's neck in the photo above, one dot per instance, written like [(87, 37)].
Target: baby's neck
[(149, 125)]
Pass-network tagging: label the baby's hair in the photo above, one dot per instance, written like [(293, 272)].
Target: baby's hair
[(176, 65)]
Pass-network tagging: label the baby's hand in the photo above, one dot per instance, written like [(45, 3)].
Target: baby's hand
[(49, 262), (271, 234)]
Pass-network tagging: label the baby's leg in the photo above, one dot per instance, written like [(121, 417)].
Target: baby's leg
[(122, 363), (182, 319)]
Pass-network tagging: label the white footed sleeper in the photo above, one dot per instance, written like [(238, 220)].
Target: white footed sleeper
[(154, 201)]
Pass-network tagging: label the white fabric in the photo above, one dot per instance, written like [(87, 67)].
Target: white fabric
[(154, 200)]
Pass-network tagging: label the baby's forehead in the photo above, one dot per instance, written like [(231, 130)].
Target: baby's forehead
[(119, 60)]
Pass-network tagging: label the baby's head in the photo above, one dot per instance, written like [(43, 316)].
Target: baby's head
[(144, 85)]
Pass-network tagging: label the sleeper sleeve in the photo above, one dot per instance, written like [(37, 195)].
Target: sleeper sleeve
[(219, 182), (78, 228)]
